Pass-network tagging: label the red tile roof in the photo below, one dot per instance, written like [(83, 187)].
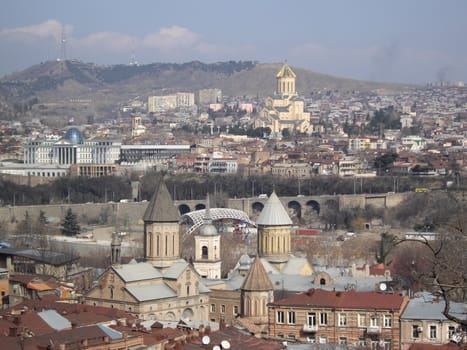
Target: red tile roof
[(344, 300)]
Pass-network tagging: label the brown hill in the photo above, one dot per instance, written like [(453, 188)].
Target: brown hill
[(108, 86)]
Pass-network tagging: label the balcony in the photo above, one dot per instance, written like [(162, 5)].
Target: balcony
[(373, 330), (310, 328)]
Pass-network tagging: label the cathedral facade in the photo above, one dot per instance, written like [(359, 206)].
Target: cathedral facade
[(285, 110)]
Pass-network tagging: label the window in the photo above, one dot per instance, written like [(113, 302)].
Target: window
[(323, 339), (291, 336), (387, 321), (204, 252), (323, 318), (311, 338), (342, 340), (374, 321), (416, 330), (433, 332), (387, 344), (342, 320), (361, 341), (451, 331), (311, 319), (280, 317), (291, 319), (223, 309), (235, 309), (213, 307), (361, 320)]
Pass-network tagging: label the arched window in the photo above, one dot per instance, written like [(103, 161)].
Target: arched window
[(322, 282), (204, 252)]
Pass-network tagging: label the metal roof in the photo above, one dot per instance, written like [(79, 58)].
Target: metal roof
[(197, 217), (55, 320), (137, 272), (112, 333), (151, 292), (274, 213), (175, 270), (426, 306)]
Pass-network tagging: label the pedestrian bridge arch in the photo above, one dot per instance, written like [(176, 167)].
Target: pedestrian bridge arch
[(196, 218)]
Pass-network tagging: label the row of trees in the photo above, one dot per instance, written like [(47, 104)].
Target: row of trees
[(195, 186)]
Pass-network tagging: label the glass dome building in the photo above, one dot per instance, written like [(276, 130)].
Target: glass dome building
[(74, 136)]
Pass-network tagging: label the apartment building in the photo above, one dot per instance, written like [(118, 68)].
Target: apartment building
[(367, 319)]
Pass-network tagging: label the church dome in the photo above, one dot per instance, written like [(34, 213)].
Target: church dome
[(74, 136), (274, 213), (208, 229)]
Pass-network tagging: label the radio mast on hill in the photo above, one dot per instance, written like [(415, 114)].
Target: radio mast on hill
[(63, 41)]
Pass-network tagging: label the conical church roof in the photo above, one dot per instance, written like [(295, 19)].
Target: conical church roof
[(257, 278), (286, 72), (273, 213), (161, 207)]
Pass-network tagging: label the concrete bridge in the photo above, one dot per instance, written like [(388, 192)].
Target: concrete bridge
[(131, 213)]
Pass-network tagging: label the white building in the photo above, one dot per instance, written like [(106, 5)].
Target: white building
[(71, 149)]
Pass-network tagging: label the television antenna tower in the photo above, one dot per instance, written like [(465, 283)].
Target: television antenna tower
[(63, 41)]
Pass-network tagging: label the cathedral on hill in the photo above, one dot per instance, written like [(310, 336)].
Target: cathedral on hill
[(285, 110)]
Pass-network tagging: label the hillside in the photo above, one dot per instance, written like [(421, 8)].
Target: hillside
[(107, 86)]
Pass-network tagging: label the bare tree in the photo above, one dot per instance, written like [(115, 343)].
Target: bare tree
[(444, 258)]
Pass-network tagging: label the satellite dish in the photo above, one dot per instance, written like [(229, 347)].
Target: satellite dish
[(225, 344), (216, 347), (382, 287), (206, 340)]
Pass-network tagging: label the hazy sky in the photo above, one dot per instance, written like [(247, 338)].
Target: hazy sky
[(395, 40)]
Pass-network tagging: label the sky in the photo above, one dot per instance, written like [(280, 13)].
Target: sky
[(408, 41)]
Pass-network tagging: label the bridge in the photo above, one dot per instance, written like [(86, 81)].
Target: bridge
[(196, 218), (300, 205), (131, 213)]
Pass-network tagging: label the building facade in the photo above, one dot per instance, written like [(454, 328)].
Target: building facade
[(71, 149), (366, 319), (285, 110)]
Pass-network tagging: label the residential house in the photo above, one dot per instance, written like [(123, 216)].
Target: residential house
[(368, 319)]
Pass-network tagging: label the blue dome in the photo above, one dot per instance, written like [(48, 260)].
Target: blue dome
[(74, 136)]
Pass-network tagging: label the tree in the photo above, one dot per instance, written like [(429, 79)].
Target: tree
[(25, 226), (442, 268), (384, 162), (70, 225), (41, 224)]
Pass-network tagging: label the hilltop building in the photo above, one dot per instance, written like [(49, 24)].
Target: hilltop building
[(285, 110)]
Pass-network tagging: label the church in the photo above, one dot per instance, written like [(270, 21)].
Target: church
[(161, 287), (284, 110)]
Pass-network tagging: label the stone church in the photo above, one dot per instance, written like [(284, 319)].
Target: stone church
[(285, 110), (161, 287)]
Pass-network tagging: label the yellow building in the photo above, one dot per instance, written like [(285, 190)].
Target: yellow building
[(285, 110)]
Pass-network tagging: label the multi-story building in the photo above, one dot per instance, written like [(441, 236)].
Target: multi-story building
[(71, 149), (150, 154), (367, 319), (295, 170), (208, 96), (423, 322), (181, 100)]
